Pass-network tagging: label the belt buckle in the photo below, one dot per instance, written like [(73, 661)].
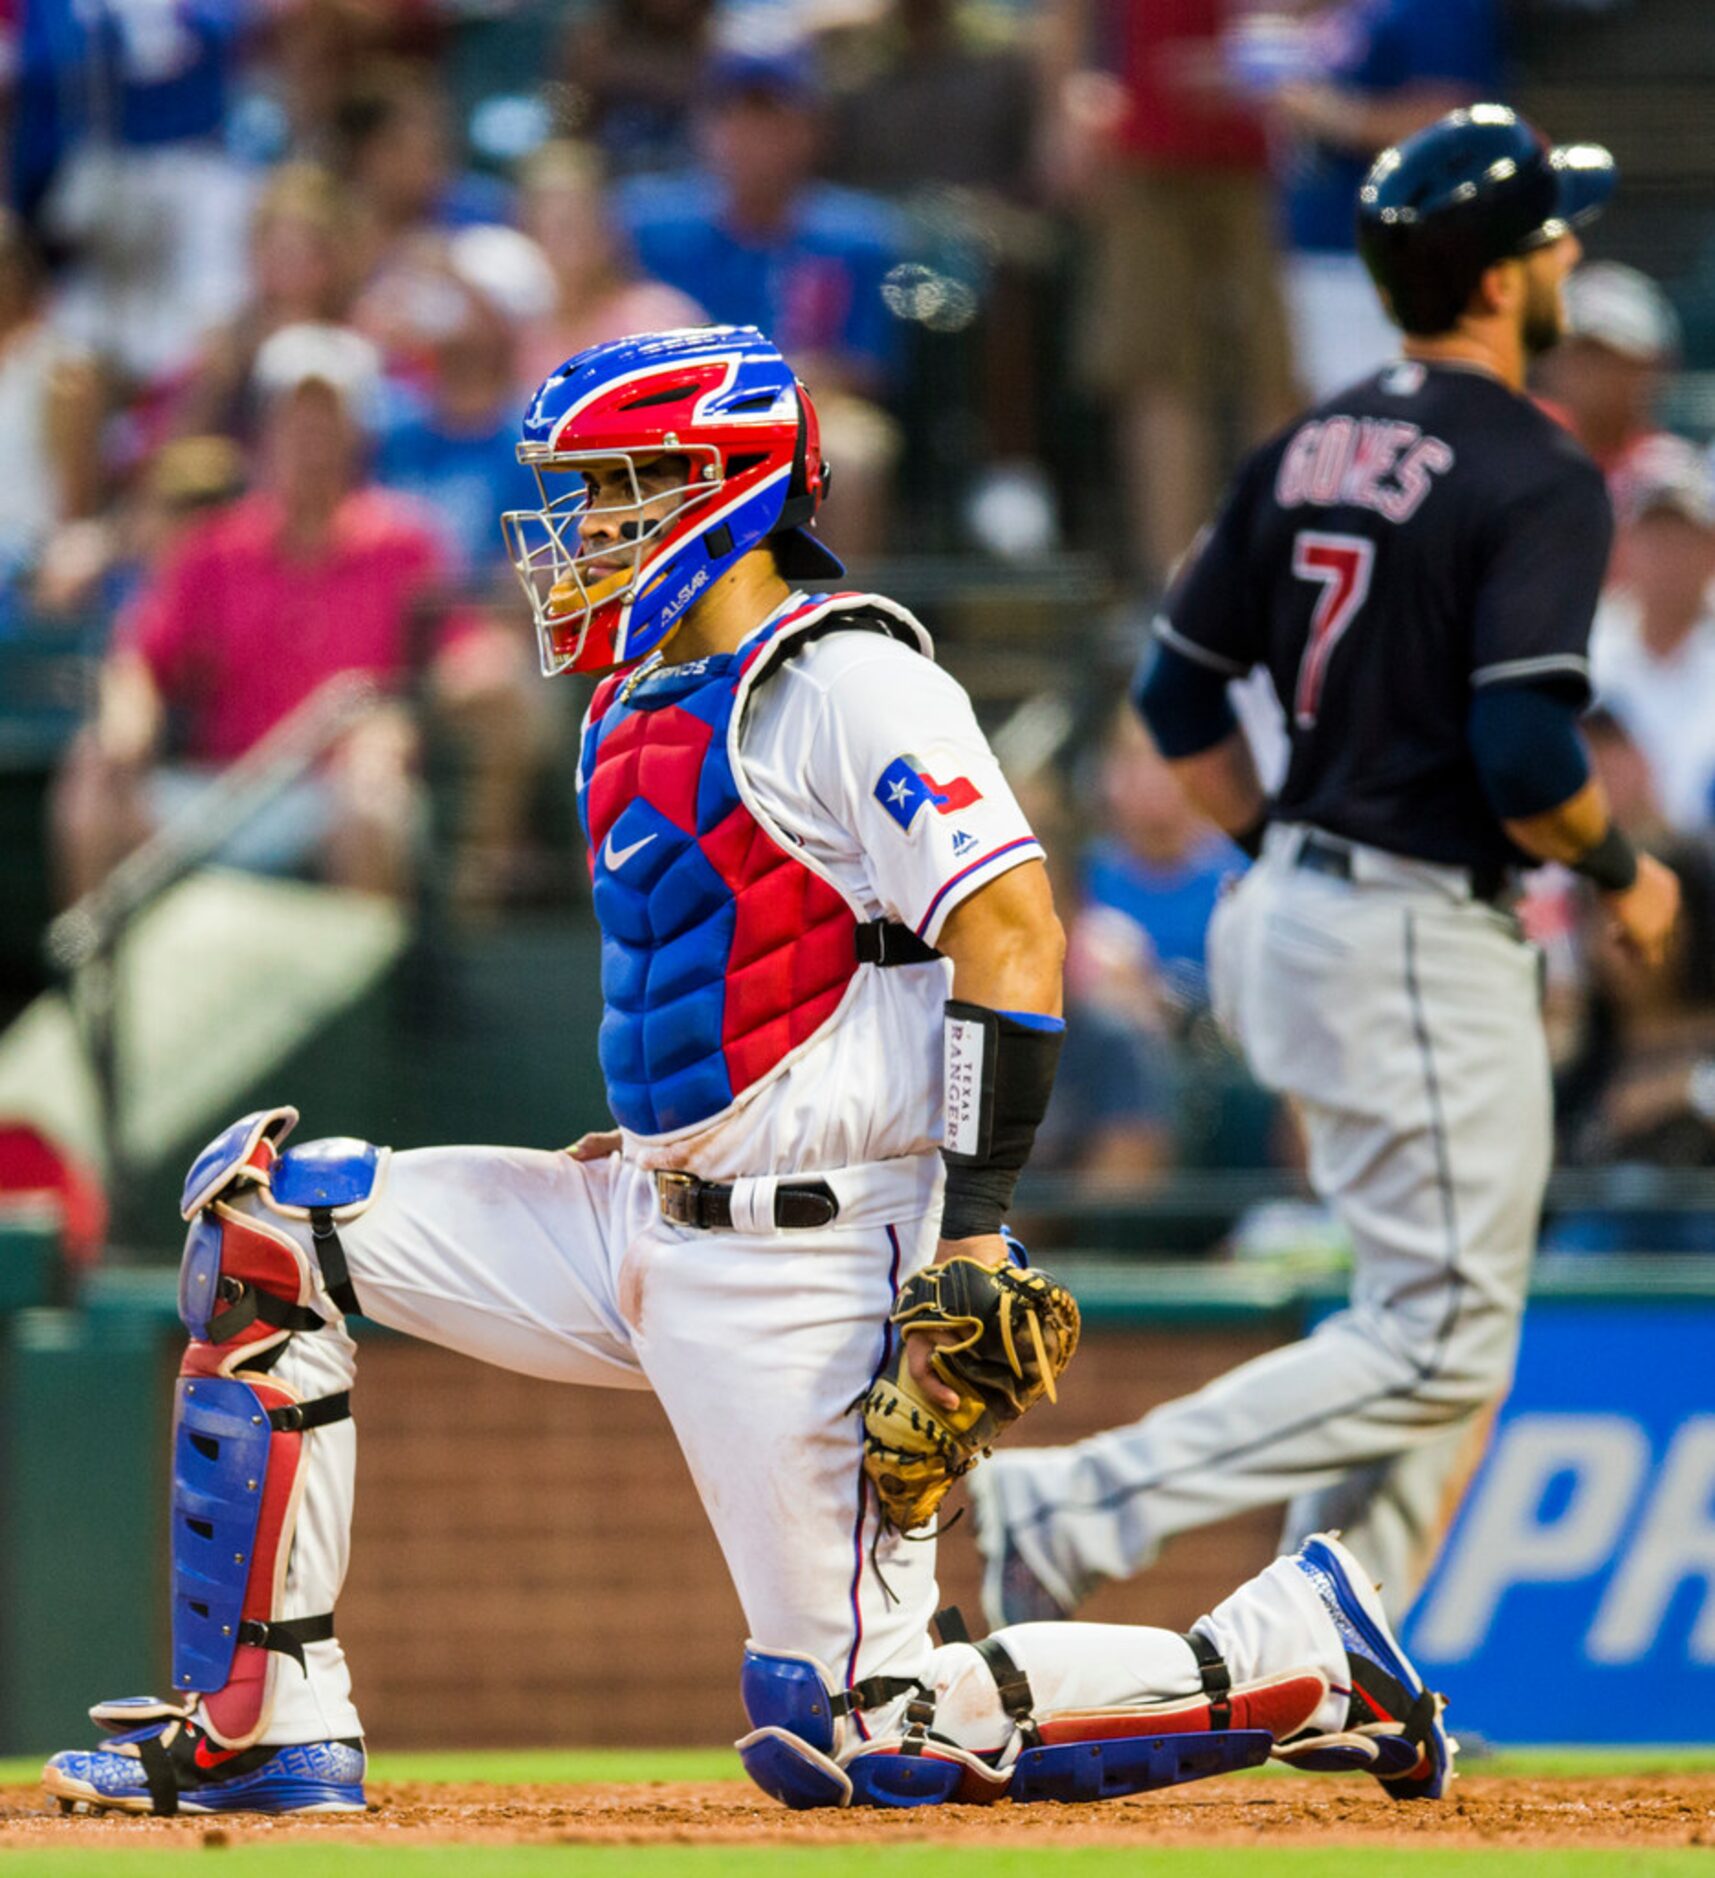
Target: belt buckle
[(674, 1181)]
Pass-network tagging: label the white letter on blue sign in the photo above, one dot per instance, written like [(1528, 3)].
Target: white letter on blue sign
[(1676, 1541), (1503, 1543)]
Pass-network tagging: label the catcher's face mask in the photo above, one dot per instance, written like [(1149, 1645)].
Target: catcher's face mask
[(582, 556)]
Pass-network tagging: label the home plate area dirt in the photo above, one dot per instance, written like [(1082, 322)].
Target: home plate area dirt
[(1619, 1810)]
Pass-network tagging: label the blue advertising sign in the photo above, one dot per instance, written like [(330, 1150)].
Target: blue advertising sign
[(1575, 1598)]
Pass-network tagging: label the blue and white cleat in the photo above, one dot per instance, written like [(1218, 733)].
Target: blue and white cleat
[(1393, 1726), (173, 1767)]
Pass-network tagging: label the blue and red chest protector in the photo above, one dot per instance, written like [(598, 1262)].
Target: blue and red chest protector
[(722, 952)]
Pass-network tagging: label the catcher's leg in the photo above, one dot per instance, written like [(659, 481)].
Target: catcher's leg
[(1091, 1722), (1298, 1663), (501, 1254), (260, 1717)]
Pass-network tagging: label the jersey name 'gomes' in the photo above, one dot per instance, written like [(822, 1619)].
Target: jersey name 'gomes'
[(1375, 463)]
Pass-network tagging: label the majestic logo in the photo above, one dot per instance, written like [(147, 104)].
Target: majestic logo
[(615, 858), (963, 842), (904, 786)]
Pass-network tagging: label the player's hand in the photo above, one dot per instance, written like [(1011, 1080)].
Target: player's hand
[(1644, 915), (595, 1146), (989, 1249)]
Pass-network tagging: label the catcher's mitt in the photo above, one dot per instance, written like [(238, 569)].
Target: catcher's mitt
[(1014, 1332)]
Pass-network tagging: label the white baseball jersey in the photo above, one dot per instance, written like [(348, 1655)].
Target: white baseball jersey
[(845, 749)]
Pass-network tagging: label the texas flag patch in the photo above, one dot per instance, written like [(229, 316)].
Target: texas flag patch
[(904, 786)]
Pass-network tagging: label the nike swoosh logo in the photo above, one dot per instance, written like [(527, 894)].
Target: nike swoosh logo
[(615, 858)]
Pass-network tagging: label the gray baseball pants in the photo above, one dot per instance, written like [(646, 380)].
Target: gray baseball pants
[(1402, 1018)]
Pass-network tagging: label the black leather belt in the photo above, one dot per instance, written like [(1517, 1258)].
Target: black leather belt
[(1323, 854), (707, 1204)]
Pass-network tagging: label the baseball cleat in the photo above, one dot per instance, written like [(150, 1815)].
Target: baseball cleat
[(1393, 1725), (177, 1769), (1012, 1593)]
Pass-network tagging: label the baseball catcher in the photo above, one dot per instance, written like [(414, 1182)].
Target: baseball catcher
[(831, 986)]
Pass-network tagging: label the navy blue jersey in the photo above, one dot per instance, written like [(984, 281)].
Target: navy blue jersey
[(1425, 532)]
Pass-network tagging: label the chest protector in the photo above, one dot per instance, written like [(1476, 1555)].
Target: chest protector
[(723, 952)]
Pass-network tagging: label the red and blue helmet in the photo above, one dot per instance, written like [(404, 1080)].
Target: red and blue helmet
[(723, 399)]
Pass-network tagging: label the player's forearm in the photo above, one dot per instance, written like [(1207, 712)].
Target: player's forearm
[(1222, 784), (1566, 832), (1007, 945), (1535, 771), (1001, 1042)]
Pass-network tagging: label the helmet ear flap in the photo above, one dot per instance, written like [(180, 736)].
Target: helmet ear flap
[(799, 485), (807, 487)]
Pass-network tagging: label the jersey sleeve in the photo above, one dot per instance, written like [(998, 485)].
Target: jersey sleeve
[(1542, 582), (1209, 615), (909, 772)]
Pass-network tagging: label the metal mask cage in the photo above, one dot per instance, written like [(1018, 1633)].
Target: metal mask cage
[(546, 548)]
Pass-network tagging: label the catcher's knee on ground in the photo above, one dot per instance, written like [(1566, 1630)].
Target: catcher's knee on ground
[(241, 1464), (806, 1749)]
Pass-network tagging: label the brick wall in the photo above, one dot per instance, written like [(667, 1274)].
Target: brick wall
[(530, 1565)]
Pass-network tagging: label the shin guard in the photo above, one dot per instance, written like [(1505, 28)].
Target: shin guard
[(1074, 1755), (240, 1464)]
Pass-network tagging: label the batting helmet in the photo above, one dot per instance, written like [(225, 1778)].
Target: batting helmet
[(1469, 191)]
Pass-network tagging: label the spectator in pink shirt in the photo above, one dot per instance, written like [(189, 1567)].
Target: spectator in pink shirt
[(313, 574)]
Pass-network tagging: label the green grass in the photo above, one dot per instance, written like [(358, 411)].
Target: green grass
[(596, 1766), (899, 1860)]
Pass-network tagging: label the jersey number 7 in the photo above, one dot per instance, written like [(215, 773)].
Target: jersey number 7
[(1340, 565)]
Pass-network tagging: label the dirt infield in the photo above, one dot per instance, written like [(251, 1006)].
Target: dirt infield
[(1617, 1810)]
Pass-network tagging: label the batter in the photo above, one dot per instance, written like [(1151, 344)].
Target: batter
[(1415, 565)]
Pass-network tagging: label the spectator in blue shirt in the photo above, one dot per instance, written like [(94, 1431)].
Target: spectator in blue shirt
[(453, 444), (757, 240), (1150, 883), (1376, 70), (394, 142), (117, 159), (1112, 1120)]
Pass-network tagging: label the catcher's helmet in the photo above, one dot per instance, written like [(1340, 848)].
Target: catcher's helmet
[(1470, 190), (723, 399)]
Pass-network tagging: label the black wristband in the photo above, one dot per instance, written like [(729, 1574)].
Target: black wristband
[(975, 1200), (999, 1074), (1611, 865)]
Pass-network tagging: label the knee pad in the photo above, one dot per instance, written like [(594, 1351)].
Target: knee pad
[(804, 1751), (238, 1272), (246, 1287)]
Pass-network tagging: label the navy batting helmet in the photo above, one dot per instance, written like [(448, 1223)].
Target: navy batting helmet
[(1469, 191)]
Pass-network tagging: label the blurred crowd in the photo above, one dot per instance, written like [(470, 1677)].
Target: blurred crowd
[(278, 276)]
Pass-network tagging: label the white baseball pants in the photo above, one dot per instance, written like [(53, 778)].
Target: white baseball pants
[(757, 1344)]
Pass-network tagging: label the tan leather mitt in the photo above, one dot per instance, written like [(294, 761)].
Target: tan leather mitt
[(1013, 1333)]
